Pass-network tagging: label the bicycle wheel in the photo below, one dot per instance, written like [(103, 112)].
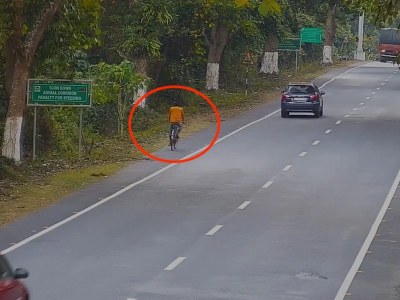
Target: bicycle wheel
[(173, 138)]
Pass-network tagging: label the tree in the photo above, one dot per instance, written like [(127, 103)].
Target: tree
[(381, 12), (217, 21), (117, 82), (277, 26), (28, 22), (141, 25), (330, 32)]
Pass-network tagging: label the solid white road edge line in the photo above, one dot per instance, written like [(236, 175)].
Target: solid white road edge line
[(174, 264), (244, 205), (367, 243), (89, 208), (214, 230)]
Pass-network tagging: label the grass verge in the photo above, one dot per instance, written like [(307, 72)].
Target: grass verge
[(44, 182)]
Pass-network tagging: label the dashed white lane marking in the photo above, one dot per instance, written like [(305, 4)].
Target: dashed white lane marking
[(338, 122), (131, 299), (367, 243), (244, 205), (315, 143), (328, 131), (346, 116), (267, 185), (368, 98), (386, 80), (378, 89), (373, 93), (214, 230), (116, 194), (354, 109), (362, 103), (287, 168), (382, 83), (174, 264), (302, 153)]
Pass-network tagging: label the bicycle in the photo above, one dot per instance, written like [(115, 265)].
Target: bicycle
[(174, 137)]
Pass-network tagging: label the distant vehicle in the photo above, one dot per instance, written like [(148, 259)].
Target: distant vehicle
[(389, 44), (10, 286), (302, 97)]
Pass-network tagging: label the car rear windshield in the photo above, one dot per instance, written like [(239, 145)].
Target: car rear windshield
[(300, 89)]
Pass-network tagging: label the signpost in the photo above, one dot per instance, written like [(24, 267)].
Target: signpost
[(247, 60), (311, 35), (58, 93), (291, 45)]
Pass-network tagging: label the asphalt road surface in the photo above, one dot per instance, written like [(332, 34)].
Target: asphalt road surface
[(297, 208)]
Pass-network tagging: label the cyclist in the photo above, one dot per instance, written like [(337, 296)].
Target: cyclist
[(176, 117)]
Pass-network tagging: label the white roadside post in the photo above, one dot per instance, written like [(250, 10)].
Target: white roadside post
[(360, 54)]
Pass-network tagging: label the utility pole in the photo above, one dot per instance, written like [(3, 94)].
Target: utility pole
[(360, 54)]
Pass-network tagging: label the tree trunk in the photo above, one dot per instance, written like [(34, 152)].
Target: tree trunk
[(157, 71), (217, 43), (12, 140), (221, 79), (10, 64), (25, 51), (269, 62), (329, 36), (120, 115), (141, 68)]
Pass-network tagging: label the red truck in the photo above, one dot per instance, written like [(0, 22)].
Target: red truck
[(389, 44)]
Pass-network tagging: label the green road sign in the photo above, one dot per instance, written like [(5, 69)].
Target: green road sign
[(289, 45), (59, 93), (311, 35)]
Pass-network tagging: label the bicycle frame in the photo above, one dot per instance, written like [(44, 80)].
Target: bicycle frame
[(174, 134)]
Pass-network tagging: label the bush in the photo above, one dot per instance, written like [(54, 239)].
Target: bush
[(7, 168)]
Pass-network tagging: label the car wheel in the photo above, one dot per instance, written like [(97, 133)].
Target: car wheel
[(284, 114), (317, 113), (321, 113)]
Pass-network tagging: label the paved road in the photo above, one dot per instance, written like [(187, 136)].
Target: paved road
[(282, 209)]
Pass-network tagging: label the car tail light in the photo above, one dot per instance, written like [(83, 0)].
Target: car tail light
[(284, 97), (314, 97)]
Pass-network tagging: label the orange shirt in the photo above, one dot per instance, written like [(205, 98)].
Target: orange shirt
[(176, 115)]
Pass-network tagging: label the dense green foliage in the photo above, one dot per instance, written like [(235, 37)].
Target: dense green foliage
[(125, 45)]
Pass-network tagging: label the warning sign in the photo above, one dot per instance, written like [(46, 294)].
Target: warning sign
[(248, 60)]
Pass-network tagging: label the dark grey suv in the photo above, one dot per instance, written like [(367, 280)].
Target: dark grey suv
[(302, 97)]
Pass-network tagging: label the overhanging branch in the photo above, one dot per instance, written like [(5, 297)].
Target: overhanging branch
[(40, 27)]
